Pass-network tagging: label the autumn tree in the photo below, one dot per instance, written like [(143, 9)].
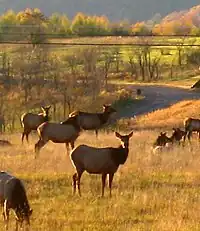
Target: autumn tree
[(33, 25), (59, 25)]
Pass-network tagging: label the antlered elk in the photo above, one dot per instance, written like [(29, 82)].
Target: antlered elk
[(94, 121), (31, 121), (99, 161), (66, 132)]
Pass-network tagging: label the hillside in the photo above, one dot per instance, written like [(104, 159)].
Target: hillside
[(169, 117), (114, 9)]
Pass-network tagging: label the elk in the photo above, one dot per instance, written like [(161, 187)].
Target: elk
[(163, 142), (65, 132), (31, 121), (177, 135), (104, 161), (13, 196), (191, 125), (94, 121)]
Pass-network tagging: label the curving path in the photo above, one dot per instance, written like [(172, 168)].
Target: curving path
[(158, 97)]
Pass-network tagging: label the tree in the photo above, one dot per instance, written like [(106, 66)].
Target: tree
[(8, 23), (33, 25)]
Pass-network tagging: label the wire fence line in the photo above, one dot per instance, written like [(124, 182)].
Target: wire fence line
[(101, 44)]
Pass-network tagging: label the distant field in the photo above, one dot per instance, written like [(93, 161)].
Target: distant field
[(126, 46)]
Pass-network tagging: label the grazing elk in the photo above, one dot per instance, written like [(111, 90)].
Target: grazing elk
[(94, 121), (13, 196), (99, 161), (191, 125), (66, 132), (31, 121)]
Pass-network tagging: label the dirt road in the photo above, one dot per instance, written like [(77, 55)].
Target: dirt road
[(158, 97)]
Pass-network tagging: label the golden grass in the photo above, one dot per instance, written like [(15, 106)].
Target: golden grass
[(150, 192), (172, 116)]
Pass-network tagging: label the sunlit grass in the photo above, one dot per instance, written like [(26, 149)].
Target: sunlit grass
[(150, 192)]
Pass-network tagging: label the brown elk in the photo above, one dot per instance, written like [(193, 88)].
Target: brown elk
[(191, 125), (31, 121), (104, 161), (163, 142), (94, 121), (66, 132), (13, 196)]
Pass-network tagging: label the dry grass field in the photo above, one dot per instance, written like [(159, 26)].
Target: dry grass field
[(150, 192), (169, 117)]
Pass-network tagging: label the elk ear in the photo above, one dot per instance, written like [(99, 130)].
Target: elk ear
[(130, 134), (48, 107), (43, 109), (117, 135)]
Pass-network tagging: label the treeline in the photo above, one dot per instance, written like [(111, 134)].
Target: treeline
[(32, 24)]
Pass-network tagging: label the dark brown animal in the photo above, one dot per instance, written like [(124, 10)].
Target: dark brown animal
[(66, 132), (104, 161), (94, 121), (13, 196), (162, 140), (177, 135), (31, 121)]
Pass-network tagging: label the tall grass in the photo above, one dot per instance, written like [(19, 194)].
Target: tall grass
[(150, 192)]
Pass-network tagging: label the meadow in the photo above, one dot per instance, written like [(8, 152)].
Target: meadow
[(150, 192)]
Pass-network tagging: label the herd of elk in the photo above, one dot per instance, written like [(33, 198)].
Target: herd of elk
[(94, 160)]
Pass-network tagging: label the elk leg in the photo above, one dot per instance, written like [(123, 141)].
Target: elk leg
[(111, 175), (67, 147), (189, 136), (103, 178), (185, 137), (16, 224), (27, 134), (78, 182), (96, 132), (72, 144), (199, 135), (39, 145), (74, 180), (6, 214)]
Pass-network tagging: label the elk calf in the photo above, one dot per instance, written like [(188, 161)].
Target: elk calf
[(94, 121), (13, 196), (99, 161), (31, 121)]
